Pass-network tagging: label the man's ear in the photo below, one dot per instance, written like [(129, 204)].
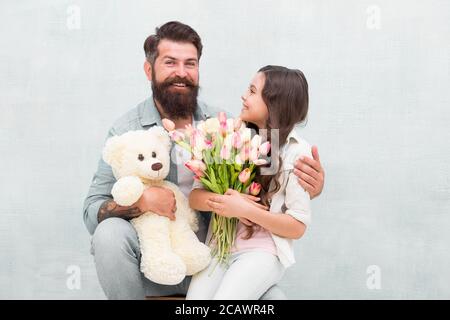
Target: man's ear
[(148, 70), (162, 135), (112, 152)]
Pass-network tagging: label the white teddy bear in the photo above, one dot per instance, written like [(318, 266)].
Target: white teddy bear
[(170, 249)]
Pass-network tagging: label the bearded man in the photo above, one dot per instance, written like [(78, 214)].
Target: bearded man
[(171, 64)]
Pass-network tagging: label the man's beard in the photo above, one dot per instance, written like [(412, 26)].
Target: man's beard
[(176, 105)]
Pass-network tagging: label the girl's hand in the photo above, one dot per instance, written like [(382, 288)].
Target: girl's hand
[(254, 200), (232, 204)]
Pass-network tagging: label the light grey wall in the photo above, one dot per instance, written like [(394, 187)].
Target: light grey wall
[(379, 86)]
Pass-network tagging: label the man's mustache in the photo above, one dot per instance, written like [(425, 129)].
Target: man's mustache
[(173, 80)]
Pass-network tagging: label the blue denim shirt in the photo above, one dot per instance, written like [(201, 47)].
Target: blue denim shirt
[(142, 117)]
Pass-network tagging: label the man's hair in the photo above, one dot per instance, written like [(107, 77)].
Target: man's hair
[(174, 31)]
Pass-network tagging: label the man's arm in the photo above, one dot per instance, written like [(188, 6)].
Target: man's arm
[(99, 192), (310, 173), (110, 209), (159, 200)]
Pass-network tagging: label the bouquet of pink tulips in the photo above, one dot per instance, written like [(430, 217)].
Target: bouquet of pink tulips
[(224, 155)]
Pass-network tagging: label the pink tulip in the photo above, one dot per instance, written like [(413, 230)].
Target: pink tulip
[(197, 140), (244, 175), (246, 135), (223, 130), (253, 155), (222, 118), (256, 141), (197, 167), (176, 136), (168, 124), (210, 126), (264, 148), (245, 153), (255, 188), (225, 152), (237, 124), (223, 123), (197, 154), (236, 140), (196, 164)]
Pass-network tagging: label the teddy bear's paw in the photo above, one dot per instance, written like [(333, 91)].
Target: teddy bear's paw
[(127, 190), (196, 258), (167, 269)]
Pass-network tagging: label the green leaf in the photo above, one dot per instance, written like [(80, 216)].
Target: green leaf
[(235, 180), (215, 184), (207, 184), (225, 176), (210, 186)]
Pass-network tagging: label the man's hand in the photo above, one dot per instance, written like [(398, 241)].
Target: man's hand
[(158, 200), (310, 173)]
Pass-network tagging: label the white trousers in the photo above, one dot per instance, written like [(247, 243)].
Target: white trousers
[(249, 275)]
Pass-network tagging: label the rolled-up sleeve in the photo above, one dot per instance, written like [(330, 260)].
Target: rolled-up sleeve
[(297, 200), (99, 192)]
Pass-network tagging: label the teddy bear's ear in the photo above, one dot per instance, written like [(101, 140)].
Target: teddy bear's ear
[(163, 136), (112, 151)]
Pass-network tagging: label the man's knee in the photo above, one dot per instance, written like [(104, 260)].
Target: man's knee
[(115, 236)]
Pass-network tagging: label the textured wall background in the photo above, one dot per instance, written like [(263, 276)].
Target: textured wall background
[(379, 76)]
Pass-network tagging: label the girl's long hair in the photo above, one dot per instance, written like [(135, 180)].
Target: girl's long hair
[(285, 94)]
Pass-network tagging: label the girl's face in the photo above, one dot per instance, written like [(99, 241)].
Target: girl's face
[(254, 110)]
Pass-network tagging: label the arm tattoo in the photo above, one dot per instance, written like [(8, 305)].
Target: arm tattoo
[(110, 208)]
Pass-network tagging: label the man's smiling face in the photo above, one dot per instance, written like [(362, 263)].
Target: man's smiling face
[(175, 77), (176, 60)]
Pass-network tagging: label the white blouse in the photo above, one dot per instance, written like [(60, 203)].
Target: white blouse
[(291, 199)]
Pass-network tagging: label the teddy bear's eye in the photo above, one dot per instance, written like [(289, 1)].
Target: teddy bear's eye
[(154, 154), (141, 157)]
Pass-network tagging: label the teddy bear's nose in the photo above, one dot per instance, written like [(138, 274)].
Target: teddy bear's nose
[(157, 166)]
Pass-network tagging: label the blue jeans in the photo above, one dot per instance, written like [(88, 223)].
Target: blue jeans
[(115, 247)]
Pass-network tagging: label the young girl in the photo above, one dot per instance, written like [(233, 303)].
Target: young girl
[(277, 98)]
